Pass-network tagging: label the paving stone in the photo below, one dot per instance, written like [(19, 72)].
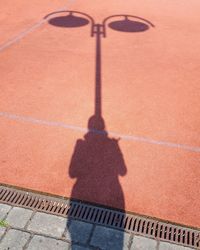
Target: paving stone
[(169, 246), (18, 217), (110, 239), (78, 231), (46, 243), (142, 243), (48, 224), (2, 231), (14, 240), (4, 209), (76, 247)]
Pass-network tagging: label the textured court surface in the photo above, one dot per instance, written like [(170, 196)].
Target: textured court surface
[(150, 99)]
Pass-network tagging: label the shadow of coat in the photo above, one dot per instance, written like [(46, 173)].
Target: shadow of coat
[(97, 163)]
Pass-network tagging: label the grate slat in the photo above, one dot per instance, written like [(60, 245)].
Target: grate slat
[(24, 200), (94, 215), (38, 205), (86, 214), (15, 198), (2, 193), (12, 196), (82, 213), (103, 217), (7, 195)]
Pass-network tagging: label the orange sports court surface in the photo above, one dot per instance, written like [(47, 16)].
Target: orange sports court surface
[(112, 118)]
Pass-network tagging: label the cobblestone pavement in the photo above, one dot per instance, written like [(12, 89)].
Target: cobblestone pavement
[(40, 231)]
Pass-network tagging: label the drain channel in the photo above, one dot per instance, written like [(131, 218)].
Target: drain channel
[(123, 221)]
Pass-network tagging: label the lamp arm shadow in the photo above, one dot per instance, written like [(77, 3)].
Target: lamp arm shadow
[(125, 15), (71, 12)]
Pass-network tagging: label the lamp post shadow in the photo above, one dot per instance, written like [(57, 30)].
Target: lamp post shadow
[(97, 161)]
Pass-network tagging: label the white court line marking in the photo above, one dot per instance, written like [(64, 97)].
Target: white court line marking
[(24, 33), (84, 130)]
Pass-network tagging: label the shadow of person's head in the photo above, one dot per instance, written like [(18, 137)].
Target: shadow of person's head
[(96, 123)]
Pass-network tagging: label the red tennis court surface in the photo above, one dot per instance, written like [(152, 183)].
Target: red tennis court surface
[(150, 99)]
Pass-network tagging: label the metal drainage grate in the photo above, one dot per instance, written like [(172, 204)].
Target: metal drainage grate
[(102, 216)]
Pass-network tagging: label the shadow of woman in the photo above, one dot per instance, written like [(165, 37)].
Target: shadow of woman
[(97, 163)]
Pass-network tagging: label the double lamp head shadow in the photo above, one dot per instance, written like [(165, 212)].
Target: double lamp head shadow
[(122, 23)]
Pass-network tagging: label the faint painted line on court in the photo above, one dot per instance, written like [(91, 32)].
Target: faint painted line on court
[(84, 130), (29, 30), (41, 122)]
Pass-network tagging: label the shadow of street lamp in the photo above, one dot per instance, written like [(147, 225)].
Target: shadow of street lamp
[(124, 23)]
